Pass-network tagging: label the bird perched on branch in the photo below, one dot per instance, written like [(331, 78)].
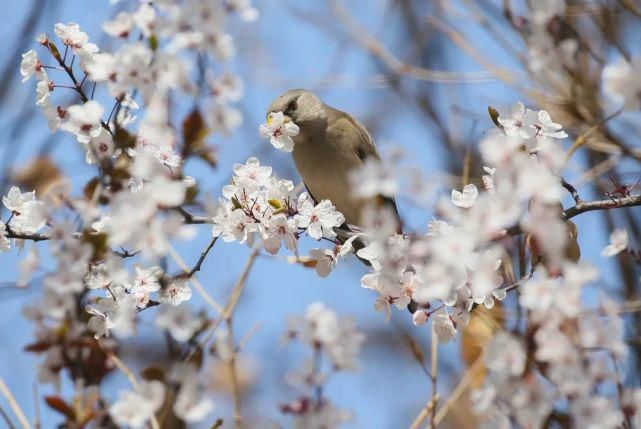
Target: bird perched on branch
[(329, 146)]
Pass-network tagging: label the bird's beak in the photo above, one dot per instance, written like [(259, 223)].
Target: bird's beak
[(269, 118)]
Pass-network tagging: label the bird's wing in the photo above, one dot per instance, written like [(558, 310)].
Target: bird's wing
[(353, 135)]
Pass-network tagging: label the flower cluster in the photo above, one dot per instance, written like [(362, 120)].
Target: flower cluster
[(549, 48), (578, 358), (329, 337), (621, 82), (257, 205), (121, 117), (459, 264)]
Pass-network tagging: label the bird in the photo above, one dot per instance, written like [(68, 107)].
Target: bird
[(329, 146)]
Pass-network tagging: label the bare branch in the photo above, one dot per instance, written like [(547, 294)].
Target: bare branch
[(193, 219), (582, 207), (13, 404), (374, 47), (572, 190), (203, 255)]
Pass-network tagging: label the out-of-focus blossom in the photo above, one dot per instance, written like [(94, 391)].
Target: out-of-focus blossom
[(618, 243), (467, 198), (135, 408), (84, 120), (621, 82), (373, 179), (175, 293), (179, 320)]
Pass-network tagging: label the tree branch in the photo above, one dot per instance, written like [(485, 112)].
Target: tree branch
[(582, 207), (203, 255), (572, 190), (193, 219)]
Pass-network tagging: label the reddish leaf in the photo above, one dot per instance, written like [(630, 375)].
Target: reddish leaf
[(58, 404)]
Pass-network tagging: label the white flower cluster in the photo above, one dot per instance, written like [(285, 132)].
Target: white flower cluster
[(576, 359), (259, 205), (621, 81), (135, 408), (328, 336), (458, 263), (548, 48), (139, 171)]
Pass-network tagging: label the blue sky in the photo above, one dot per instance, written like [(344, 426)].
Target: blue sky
[(279, 52)]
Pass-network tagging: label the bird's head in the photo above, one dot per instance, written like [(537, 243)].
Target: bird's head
[(300, 106)]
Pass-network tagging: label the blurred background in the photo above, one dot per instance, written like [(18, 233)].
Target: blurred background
[(420, 75)]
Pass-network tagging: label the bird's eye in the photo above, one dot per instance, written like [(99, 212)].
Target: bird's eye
[(293, 105)]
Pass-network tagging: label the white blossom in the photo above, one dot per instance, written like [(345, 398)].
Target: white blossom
[(318, 220), (175, 293), (135, 408), (29, 214), (114, 312), (467, 198), (280, 230), (84, 120), (179, 320), (279, 130), (443, 327), (31, 65), (374, 178), (192, 403), (618, 243), (621, 82), (119, 27)]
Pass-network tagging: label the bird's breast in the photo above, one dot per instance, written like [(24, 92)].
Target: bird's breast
[(325, 170)]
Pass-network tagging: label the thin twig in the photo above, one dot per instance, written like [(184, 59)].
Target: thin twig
[(193, 219), (132, 379), (203, 255), (6, 418), (230, 306), (434, 372), (425, 412), (197, 285), (13, 404), (628, 423), (572, 190), (458, 39), (36, 406), (374, 47), (458, 391), (233, 375)]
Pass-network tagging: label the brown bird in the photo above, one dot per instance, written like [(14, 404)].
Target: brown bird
[(329, 146)]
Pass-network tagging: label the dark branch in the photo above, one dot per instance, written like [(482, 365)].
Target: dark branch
[(193, 219), (123, 253), (582, 207), (615, 203), (572, 190), (203, 255)]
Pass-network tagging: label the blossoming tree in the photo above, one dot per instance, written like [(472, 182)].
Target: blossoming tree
[(501, 254)]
